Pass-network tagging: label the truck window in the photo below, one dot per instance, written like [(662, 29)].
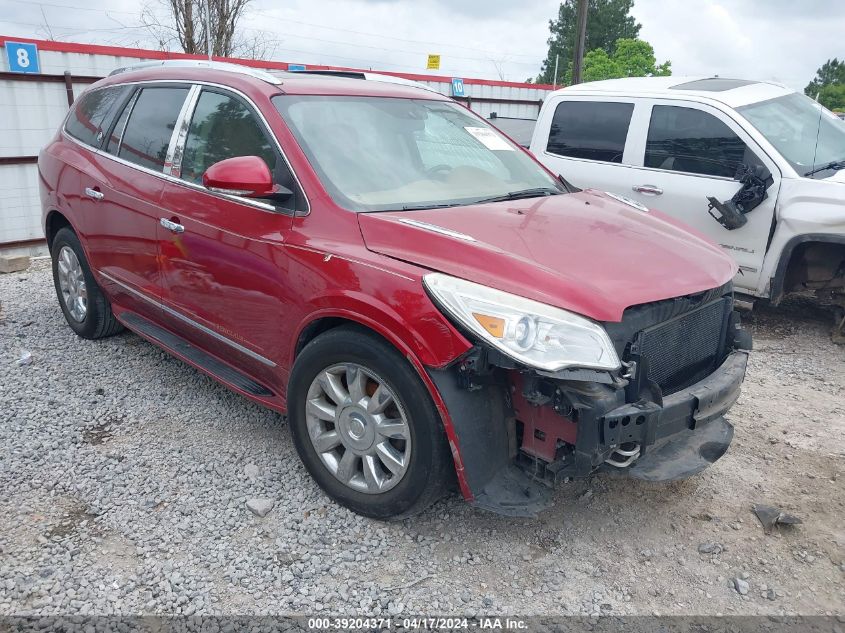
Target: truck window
[(693, 141), (590, 129)]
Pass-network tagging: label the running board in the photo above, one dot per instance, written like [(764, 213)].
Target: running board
[(213, 366)]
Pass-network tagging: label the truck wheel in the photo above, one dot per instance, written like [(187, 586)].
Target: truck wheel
[(84, 305), (365, 426)]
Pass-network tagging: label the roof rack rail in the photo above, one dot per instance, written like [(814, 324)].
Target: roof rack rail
[(363, 74), (202, 63), (348, 74)]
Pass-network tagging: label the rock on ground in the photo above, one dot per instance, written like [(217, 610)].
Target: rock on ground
[(260, 507)]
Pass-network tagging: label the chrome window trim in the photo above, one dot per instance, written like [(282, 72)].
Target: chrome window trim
[(130, 106), (586, 160), (253, 203), (187, 106), (245, 201), (189, 321), (683, 173)]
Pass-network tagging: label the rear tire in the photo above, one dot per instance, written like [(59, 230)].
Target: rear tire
[(382, 449), (86, 309)]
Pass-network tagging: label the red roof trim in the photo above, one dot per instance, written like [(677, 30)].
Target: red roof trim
[(142, 53)]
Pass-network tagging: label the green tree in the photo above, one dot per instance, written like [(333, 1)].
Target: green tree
[(832, 72), (631, 58), (832, 97), (607, 21), (599, 65)]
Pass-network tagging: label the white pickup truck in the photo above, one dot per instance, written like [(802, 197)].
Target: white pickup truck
[(755, 166)]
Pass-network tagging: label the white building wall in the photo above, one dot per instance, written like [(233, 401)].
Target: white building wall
[(30, 113)]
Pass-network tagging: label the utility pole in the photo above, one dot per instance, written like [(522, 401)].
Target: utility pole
[(208, 28), (580, 36), (554, 81)]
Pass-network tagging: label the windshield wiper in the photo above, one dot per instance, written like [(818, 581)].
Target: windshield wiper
[(420, 207), (836, 164), (535, 192)]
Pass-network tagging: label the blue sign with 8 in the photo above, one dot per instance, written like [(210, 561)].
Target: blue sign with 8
[(23, 57)]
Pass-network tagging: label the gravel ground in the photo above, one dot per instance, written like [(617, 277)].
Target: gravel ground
[(125, 477)]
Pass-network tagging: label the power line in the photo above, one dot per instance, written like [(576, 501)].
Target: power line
[(398, 39), (72, 31), (389, 50), (73, 28), (67, 30), (321, 26), (70, 6)]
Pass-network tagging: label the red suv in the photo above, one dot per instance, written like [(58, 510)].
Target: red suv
[(422, 299)]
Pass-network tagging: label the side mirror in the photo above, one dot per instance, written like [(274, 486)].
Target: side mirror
[(240, 176)]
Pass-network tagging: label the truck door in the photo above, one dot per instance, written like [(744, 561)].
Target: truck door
[(688, 152)]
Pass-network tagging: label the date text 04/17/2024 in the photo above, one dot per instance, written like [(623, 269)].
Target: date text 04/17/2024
[(417, 623)]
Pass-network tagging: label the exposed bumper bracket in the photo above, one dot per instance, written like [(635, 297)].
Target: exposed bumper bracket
[(684, 454)]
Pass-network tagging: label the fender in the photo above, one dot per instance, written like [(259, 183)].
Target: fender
[(777, 293), (79, 233), (383, 320)]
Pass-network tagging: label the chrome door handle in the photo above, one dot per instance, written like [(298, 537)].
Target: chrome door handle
[(650, 190), (93, 193), (171, 226)]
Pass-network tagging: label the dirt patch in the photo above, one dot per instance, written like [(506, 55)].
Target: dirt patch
[(102, 432), (70, 522)]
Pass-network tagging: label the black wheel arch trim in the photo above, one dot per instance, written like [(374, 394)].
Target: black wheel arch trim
[(51, 227), (776, 292)]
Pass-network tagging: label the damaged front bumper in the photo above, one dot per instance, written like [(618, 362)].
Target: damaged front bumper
[(553, 429)]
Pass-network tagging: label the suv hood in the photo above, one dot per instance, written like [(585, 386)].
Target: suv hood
[(584, 252)]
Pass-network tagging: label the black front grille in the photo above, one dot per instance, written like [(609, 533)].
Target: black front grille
[(680, 340), (686, 349)]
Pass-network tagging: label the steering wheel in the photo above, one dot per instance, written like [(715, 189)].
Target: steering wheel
[(432, 172)]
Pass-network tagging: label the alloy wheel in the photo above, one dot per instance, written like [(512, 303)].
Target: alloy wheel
[(72, 284), (358, 428)]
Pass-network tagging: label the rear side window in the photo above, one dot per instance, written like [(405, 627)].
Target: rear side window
[(590, 129), (150, 126), (222, 127), (693, 141), (92, 114)]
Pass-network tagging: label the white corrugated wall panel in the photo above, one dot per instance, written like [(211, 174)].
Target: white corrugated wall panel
[(30, 112), (86, 64), (20, 217)]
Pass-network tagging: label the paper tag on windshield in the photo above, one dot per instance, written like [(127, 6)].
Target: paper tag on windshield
[(489, 138)]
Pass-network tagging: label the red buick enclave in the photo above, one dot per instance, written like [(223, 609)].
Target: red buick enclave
[(422, 299)]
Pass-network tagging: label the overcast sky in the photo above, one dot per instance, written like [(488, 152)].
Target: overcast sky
[(783, 40)]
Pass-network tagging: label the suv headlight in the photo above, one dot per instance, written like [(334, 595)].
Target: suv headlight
[(536, 334)]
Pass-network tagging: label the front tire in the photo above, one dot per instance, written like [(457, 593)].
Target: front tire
[(365, 425), (86, 309)]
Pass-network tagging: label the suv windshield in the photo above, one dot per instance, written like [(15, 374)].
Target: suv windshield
[(794, 124), (379, 153)]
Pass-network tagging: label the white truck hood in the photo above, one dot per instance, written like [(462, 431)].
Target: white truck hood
[(838, 176)]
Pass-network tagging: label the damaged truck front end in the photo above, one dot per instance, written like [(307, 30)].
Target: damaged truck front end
[(658, 416)]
